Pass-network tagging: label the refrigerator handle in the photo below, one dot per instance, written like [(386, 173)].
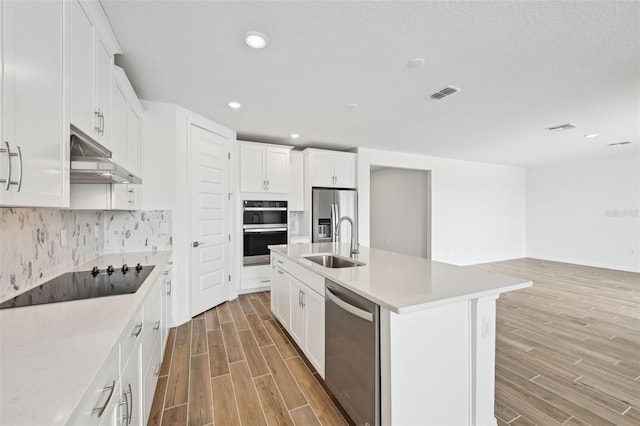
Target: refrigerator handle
[(334, 221)]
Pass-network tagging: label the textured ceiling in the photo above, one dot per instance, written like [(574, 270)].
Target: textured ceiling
[(522, 67)]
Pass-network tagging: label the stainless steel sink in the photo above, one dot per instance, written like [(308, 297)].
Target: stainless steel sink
[(331, 261)]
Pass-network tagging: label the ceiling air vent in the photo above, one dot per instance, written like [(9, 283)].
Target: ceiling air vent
[(561, 127), (449, 90)]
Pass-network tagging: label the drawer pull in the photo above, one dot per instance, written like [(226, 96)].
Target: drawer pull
[(156, 325), (265, 281), (137, 330), (100, 410)]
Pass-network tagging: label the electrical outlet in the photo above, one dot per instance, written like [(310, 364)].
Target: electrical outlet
[(487, 327), (63, 237)]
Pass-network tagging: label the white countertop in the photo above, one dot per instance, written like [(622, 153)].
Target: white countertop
[(49, 354), (402, 283)]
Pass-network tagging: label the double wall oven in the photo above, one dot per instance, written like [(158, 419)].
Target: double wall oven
[(264, 223)]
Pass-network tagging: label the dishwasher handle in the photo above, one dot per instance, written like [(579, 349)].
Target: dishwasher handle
[(368, 316)]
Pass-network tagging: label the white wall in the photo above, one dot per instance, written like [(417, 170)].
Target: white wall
[(400, 211), (478, 209), (586, 213)]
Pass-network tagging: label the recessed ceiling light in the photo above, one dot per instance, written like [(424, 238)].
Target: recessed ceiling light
[(592, 135), (294, 136), (255, 39), (351, 106), (561, 127), (234, 105), (125, 181), (415, 63)]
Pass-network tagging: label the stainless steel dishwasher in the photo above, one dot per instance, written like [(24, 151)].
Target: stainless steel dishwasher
[(352, 353)]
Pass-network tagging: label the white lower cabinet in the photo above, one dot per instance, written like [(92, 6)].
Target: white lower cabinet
[(280, 291), (131, 391), (299, 307), (296, 328), (122, 392)]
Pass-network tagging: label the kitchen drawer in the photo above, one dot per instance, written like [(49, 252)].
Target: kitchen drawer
[(101, 393), (132, 334), (151, 380), (152, 313)]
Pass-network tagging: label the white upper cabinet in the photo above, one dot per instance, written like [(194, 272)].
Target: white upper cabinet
[(126, 139), (125, 145), (92, 46), (264, 168), (34, 149), (331, 169)]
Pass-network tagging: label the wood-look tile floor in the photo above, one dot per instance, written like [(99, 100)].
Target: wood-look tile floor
[(567, 352), (568, 348), (234, 365)]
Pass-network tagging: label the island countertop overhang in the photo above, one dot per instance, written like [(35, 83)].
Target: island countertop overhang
[(400, 283)]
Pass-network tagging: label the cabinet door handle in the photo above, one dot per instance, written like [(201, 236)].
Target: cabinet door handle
[(129, 407), (304, 299), (156, 325), (7, 149), (137, 330), (102, 123), (19, 182), (280, 272), (99, 125), (169, 290), (100, 410)]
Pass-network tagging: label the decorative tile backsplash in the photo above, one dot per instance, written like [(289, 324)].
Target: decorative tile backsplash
[(32, 249), (137, 231)]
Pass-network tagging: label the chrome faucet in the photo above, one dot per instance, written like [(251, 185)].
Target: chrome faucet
[(354, 245)]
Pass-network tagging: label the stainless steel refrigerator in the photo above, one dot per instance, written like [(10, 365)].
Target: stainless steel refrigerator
[(329, 205)]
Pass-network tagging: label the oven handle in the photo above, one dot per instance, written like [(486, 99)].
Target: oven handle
[(260, 231), (265, 209), (265, 226)]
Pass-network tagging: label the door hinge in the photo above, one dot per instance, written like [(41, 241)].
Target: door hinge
[(229, 155), (229, 237)]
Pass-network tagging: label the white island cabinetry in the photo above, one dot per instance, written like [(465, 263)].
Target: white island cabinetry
[(298, 303), (437, 322)]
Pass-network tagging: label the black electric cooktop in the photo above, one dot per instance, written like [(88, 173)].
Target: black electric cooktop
[(83, 285)]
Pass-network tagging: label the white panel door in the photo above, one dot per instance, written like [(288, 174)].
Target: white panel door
[(34, 161), (297, 310), (252, 169), (314, 328), (209, 217), (322, 169), (277, 166), (344, 171)]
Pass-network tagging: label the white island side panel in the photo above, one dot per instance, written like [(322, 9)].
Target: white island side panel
[(426, 366)]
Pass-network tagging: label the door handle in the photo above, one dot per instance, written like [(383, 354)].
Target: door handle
[(197, 243), (7, 180)]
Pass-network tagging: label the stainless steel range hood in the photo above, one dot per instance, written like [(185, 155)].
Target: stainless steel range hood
[(91, 162)]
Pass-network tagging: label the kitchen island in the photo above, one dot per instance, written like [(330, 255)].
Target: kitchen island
[(53, 356), (437, 329)]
